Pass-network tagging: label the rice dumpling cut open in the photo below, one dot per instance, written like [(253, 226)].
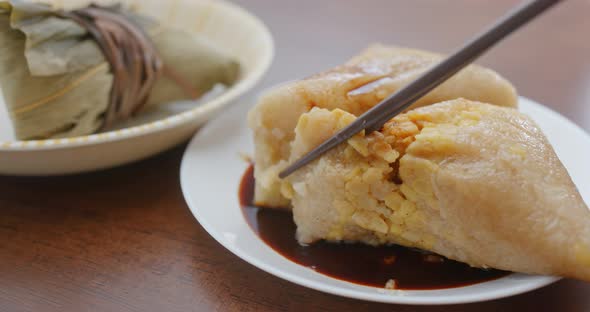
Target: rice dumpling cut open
[(354, 87), (462, 174), (470, 181)]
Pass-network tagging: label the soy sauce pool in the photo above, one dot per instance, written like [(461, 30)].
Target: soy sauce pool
[(357, 263)]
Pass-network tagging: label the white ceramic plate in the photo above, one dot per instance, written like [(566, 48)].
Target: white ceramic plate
[(212, 168), (229, 27)]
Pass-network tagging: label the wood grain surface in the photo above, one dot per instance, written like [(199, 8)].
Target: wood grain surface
[(124, 240)]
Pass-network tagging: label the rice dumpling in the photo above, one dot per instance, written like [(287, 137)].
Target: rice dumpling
[(62, 75), (470, 181), (354, 87)]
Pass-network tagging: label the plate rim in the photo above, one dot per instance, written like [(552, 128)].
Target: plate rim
[(382, 297), (176, 120)]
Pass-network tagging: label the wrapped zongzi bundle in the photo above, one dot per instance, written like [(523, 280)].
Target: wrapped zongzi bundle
[(70, 73)]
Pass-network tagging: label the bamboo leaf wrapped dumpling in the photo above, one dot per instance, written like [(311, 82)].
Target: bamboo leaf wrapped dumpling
[(57, 80)]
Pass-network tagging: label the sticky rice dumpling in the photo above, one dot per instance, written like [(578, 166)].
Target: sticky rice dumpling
[(59, 81), (462, 174), (470, 181), (354, 87)]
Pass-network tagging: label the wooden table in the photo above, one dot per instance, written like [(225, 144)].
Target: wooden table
[(124, 239)]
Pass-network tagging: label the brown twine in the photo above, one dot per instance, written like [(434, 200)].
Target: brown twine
[(135, 63)]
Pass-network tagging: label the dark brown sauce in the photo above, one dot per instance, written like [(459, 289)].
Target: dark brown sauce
[(358, 263)]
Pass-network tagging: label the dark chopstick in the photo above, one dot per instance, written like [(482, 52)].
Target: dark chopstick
[(374, 118)]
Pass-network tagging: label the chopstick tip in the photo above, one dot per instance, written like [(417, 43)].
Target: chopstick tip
[(287, 172)]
